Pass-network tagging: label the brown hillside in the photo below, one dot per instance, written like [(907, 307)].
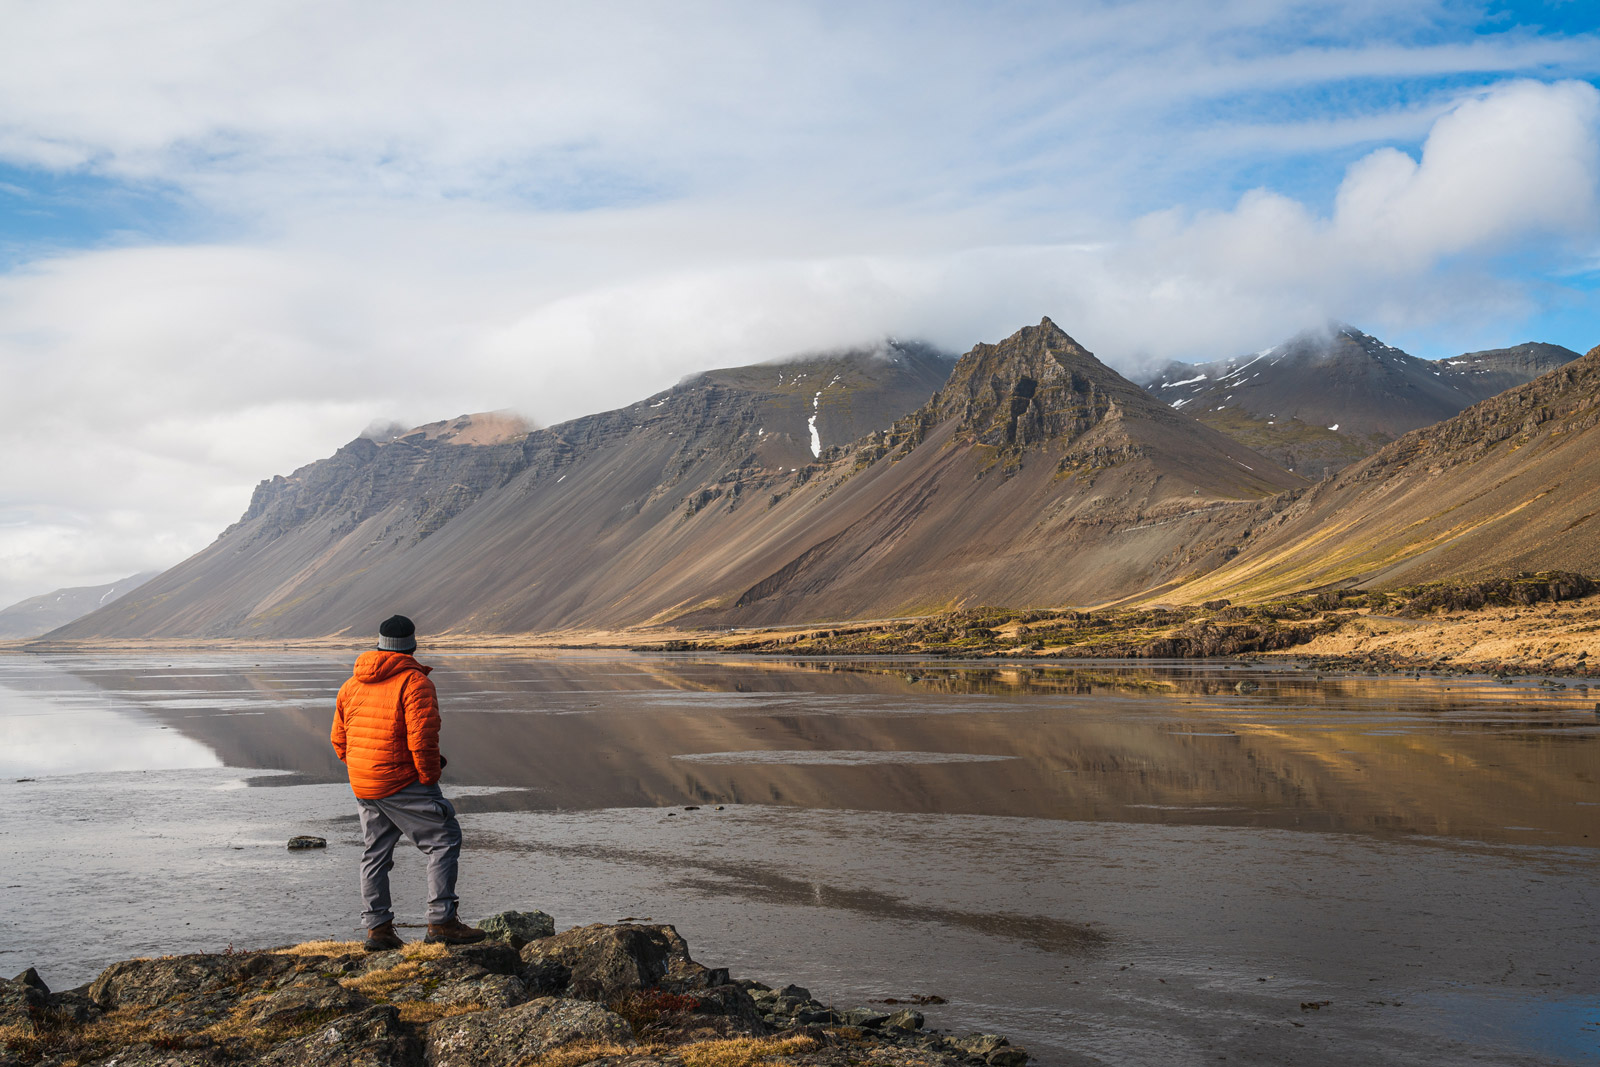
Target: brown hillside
[(1035, 475), (1510, 484)]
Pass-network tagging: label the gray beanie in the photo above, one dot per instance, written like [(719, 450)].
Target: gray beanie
[(397, 634)]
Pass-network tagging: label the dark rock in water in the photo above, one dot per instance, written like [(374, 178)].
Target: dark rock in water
[(509, 1037), (519, 927), (1009, 1056), (1246, 686), (609, 960), (306, 999), (798, 992), (372, 1038), (305, 841)]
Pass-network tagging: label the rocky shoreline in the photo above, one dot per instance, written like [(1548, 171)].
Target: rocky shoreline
[(619, 995)]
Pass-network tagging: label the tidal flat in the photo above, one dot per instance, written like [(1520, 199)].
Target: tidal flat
[(1110, 863)]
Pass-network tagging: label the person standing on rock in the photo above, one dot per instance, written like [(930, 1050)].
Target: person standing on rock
[(386, 732)]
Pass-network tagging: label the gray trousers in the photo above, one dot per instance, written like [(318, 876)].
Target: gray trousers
[(421, 813)]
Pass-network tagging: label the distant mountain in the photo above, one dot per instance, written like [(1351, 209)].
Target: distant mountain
[(1325, 399), (1510, 484), (41, 614), (834, 486)]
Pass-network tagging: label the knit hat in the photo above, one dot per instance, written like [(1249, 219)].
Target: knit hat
[(397, 634)]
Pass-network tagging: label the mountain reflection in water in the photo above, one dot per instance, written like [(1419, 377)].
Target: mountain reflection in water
[(1162, 743)]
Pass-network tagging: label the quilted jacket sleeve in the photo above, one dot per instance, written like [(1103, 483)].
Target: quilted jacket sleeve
[(337, 736), (421, 703)]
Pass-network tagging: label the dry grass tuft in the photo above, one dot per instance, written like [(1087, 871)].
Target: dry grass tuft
[(380, 984), (424, 1012), (742, 1051), (581, 1052), (321, 948), (421, 950)]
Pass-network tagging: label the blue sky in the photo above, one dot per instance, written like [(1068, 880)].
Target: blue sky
[(231, 236)]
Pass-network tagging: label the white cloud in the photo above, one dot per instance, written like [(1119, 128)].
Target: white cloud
[(438, 209)]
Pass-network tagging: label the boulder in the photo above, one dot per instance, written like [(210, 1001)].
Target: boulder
[(21, 1005), (544, 977), (30, 977), (308, 999), (519, 927), (306, 841), (508, 1037), (494, 956), (371, 1038), (455, 981), (606, 961), (146, 983), (906, 1019)]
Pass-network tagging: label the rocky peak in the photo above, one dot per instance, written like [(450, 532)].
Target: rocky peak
[(1035, 386)]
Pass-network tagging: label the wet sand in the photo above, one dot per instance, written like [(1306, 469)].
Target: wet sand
[(1111, 884)]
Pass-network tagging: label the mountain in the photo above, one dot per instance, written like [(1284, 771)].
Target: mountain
[(1484, 374), (1325, 399), (1510, 484), (1036, 474), (41, 614)]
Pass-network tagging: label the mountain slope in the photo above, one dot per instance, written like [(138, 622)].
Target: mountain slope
[(1036, 474), (1510, 484), (342, 537), (41, 614), (1328, 398)]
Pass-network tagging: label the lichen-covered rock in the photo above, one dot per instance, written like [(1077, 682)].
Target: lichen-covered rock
[(21, 1005), (311, 998), (544, 977), (371, 1038), (145, 983), (607, 961), (494, 956), (505, 1038), (519, 927), (144, 1055), (454, 982)]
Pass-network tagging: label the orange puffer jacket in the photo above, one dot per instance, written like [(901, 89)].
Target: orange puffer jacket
[(386, 725)]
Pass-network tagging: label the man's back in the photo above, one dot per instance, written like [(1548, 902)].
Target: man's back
[(386, 725)]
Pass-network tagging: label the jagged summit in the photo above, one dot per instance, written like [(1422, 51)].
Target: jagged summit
[(1036, 386)]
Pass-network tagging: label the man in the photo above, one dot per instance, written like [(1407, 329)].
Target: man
[(386, 731)]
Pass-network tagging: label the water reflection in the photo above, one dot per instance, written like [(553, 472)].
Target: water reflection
[(1170, 743)]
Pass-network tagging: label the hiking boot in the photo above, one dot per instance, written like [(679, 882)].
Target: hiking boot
[(382, 938), (454, 932)]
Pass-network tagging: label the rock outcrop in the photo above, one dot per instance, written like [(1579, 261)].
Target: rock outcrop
[(591, 994)]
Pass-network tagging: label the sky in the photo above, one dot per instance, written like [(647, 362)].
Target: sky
[(233, 236)]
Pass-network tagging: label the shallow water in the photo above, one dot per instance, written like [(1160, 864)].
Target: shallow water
[(1112, 863)]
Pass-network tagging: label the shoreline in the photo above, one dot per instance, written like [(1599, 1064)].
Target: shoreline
[(527, 997)]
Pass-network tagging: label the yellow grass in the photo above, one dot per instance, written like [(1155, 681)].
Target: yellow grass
[(321, 948), (580, 1052), (381, 983), (422, 1011), (742, 1051)]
